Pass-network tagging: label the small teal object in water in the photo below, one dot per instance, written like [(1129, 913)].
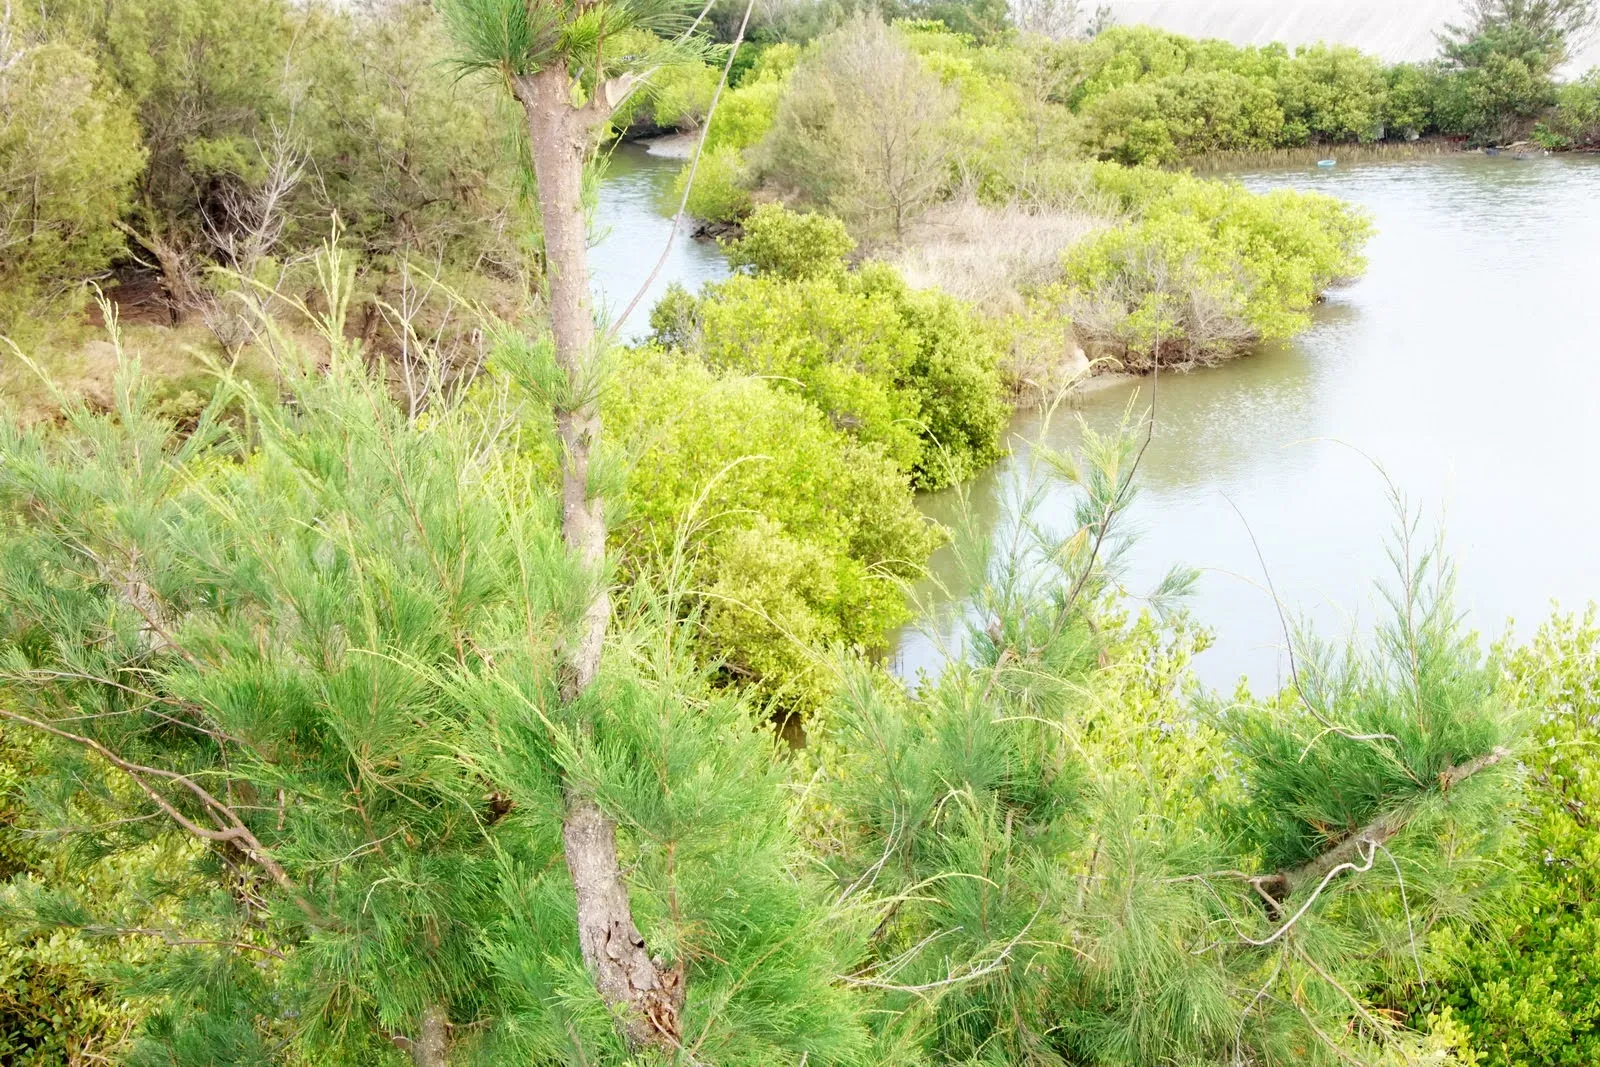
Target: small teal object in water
[(1326, 162)]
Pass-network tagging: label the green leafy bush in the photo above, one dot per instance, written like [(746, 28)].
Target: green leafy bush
[(1185, 115), (1158, 97), (386, 134), (797, 536), (724, 178), (1412, 108), (1332, 94), (1575, 123), (69, 155), (721, 190), (680, 94), (746, 112), (1527, 984), (793, 245), (1205, 269), (913, 373)]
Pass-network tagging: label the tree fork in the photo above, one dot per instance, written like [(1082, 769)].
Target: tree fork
[(646, 994)]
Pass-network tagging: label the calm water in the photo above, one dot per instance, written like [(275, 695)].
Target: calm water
[(1466, 361), (632, 228)]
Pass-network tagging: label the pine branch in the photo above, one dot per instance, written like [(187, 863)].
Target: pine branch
[(1282, 885), (232, 831)]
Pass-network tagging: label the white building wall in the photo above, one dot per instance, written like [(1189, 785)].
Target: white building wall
[(1396, 30)]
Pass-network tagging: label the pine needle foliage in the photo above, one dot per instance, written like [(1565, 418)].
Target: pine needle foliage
[(1068, 860), (319, 641)]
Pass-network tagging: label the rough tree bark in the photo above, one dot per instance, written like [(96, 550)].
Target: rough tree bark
[(646, 994), (432, 1047)]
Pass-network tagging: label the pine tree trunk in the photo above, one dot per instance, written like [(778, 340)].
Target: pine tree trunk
[(646, 995), (432, 1047)]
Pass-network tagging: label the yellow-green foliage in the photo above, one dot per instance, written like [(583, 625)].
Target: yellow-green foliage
[(791, 244), (797, 536), (989, 131), (681, 94), (1205, 268), (69, 154), (1156, 97), (1182, 115), (911, 372), (1527, 986), (723, 180), (721, 190), (59, 1001), (1576, 120), (746, 111)]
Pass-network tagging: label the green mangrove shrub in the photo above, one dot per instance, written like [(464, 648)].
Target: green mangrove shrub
[(725, 178), (913, 373), (788, 535), (1575, 122), (788, 244), (1204, 269), (1525, 984)]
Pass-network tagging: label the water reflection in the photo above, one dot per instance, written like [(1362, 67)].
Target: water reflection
[(1464, 362), (631, 226)]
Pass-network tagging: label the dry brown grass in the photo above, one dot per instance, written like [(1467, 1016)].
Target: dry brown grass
[(997, 258), (80, 360), (990, 256)]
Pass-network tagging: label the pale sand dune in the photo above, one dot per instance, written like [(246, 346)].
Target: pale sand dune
[(1394, 29)]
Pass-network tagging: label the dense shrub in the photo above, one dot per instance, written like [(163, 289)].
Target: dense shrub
[(747, 111), (724, 178), (1182, 115), (1205, 269), (1332, 94), (1527, 986), (58, 1001), (1157, 97), (791, 244), (911, 372), (206, 80), (69, 157), (797, 536), (1413, 100), (680, 95), (721, 190), (385, 135), (1575, 122)]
